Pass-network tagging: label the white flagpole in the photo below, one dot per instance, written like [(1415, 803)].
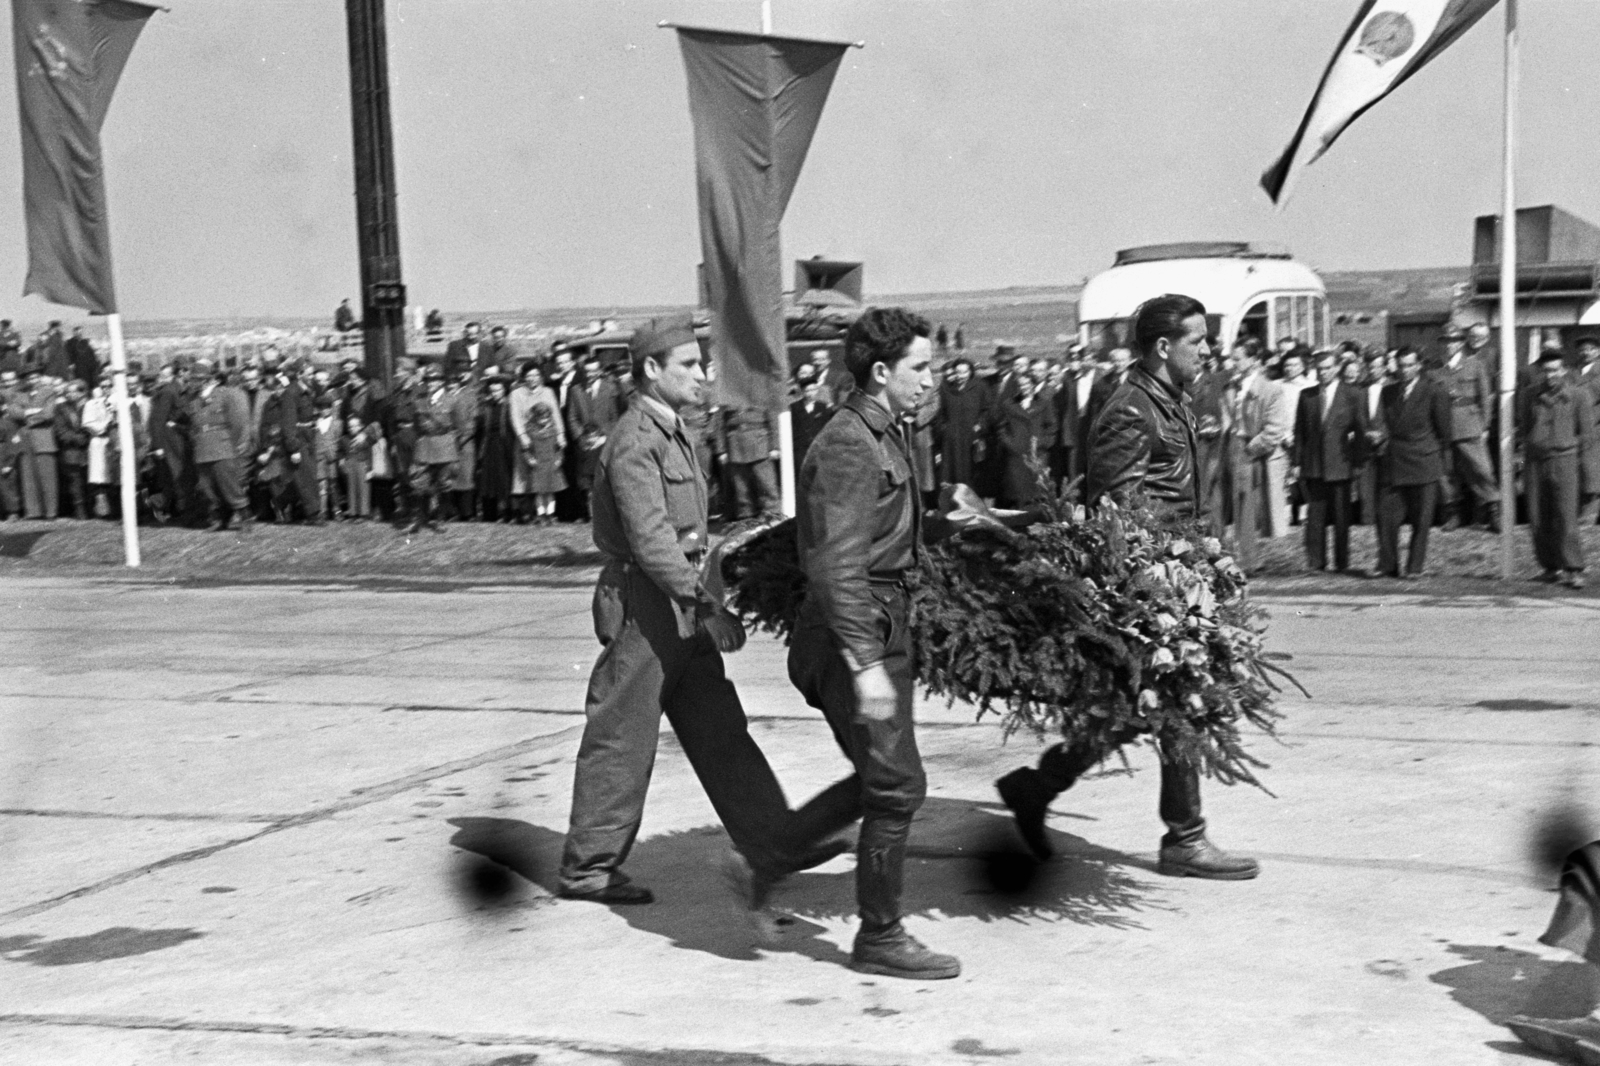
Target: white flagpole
[(130, 462), (1508, 302), (786, 456)]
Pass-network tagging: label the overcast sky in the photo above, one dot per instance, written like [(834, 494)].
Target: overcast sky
[(544, 149)]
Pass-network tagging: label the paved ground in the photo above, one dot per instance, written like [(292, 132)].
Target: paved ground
[(237, 822)]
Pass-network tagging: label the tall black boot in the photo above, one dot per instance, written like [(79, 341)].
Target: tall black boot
[(1185, 850), (882, 946)]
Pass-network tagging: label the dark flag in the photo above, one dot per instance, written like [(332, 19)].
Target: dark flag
[(69, 55), (1382, 48), (755, 102)]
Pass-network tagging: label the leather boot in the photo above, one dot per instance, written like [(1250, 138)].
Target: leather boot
[(895, 953), (1025, 792), (1185, 850)]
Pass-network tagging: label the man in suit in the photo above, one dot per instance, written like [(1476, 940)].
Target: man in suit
[(592, 409), (1555, 423), (837, 384), (1113, 371), (809, 413), (35, 404), (55, 352), (1026, 424), (501, 356), (10, 446), (466, 353), (1329, 424), (1263, 422), (1416, 415), (81, 355), (962, 430), (219, 429), (1466, 381)]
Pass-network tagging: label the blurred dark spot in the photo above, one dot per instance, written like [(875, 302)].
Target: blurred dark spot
[(218, 888), (525, 1059), (804, 1001), (1522, 705), (1559, 832), (1009, 871), (480, 880), (880, 1012)]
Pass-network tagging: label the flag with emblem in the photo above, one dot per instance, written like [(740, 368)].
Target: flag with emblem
[(755, 101), (69, 55), (1389, 41)]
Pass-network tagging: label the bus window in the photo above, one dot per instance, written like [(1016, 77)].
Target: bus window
[(1303, 325), (1282, 325), (1254, 323), (1319, 315)]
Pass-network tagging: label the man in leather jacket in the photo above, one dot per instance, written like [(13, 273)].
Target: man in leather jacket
[(1143, 441), (859, 534)]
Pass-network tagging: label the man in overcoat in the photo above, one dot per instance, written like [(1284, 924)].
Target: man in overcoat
[(220, 435), (433, 462)]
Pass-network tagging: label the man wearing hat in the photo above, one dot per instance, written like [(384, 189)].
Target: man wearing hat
[(662, 637), (1556, 427), (219, 431), (1466, 454), (434, 460)]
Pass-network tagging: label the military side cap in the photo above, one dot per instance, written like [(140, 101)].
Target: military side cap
[(660, 335)]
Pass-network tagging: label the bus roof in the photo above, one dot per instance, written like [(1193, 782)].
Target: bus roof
[(1223, 284)]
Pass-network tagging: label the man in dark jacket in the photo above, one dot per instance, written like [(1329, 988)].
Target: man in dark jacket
[(220, 435), (81, 355), (1329, 426), (859, 536), (1416, 413), (810, 412), (35, 405), (1143, 444), (747, 443), (72, 448), (1556, 425), (433, 463)]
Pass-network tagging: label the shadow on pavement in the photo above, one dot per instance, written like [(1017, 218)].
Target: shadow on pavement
[(950, 873), (1500, 982)]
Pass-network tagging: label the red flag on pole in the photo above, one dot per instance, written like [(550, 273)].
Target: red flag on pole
[(755, 102), (1382, 48), (69, 55)]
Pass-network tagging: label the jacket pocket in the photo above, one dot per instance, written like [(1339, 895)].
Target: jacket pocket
[(683, 497), (610, 606)]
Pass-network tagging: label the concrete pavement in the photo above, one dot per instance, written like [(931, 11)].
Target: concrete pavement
[(236, 823)]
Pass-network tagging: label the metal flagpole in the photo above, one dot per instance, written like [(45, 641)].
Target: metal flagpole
[(786, 456), (129, 471), (1508, 302)]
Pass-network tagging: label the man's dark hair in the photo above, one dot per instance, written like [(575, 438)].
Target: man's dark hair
[(1162, 316), (880, 335)]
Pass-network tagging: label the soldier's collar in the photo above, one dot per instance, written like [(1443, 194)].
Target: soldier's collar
[(664, 415)]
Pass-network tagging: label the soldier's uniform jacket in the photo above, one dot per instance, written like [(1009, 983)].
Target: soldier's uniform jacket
[(1471, 398), (747, 435), (436, 413), (859, 523), (1560, 422), (39, 428), (649, 507), (219, 424), (1144, 439)]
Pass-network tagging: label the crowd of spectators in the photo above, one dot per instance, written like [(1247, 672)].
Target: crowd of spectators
[(1286, 437)]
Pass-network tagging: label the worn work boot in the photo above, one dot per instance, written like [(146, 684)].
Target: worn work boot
[(1028, 796), (1574, 579), (896, 953), (1199, 857)]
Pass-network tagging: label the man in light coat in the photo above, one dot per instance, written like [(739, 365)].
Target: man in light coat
[(1263, 423)]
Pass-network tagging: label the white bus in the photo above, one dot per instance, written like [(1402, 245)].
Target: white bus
[(1248, 290)]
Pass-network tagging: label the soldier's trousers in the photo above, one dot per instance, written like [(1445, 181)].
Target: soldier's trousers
[(889, 784), (646, 669), (41, 495), (1469, 475), (755, 488), (1552, 489), (223, 488)]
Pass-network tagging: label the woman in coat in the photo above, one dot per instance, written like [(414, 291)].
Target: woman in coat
[(497, 452), (533, 393)]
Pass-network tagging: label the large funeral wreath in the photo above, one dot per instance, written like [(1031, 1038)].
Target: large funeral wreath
[(1102, 625)]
